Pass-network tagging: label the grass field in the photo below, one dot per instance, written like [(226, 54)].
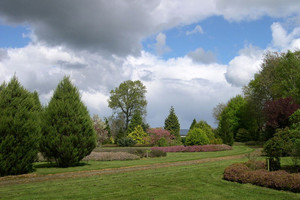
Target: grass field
[(199, 181)]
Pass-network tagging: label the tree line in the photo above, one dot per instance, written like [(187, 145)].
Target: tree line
[(268, 110)]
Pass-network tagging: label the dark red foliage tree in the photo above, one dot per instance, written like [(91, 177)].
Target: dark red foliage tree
[(277, 113)]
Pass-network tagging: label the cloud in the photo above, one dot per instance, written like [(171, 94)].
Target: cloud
[(201, 56), (160, 45), (197, 29), (233, 10), (283, 40), (242, 68)]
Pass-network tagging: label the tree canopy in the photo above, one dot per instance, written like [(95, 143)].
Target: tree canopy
[(128, 98), (172, 123)]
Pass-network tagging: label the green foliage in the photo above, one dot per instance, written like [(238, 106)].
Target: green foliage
[(162, 142), (126, 142), (128, 98), (135, 121), (157, 153), (296, 152), (196, 136), (243, 135), (138, 135), (295, 120), (193, 124), (68, 132), (172, 123), (19, 128), (206, 128), (229, 119)]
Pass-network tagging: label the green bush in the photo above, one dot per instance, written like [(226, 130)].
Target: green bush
[(242, 135), (126, 142), (162, 142), (19, 128), (68, 132), (157, 153), (138, 135), (296, 152), (196, 136), (216, 141)]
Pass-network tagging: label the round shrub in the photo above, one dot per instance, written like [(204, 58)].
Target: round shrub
[(126, 142), (162, 142), (196, 136)]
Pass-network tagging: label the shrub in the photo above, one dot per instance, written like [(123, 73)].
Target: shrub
[(126, 142), (216, 141), (19, 128), (296, 152), (156, 134), (157, 153), (138, 135), (242, 135), (281, 180), (109, 156), (162, 142), (206, 128), (68, 132), (196, 136), (195, 148)]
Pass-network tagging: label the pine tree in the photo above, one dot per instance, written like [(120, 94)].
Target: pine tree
[(19, 129), (193, 124), (68, 133), (135, 121), (172, 123)]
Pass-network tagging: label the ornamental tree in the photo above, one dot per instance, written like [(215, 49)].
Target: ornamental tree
[(68, 134), (159, 134), (138, 135), (19, 128), (172, 123), (128, 98)]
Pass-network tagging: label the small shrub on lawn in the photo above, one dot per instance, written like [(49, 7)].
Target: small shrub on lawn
[(281, 180), (126, 142), (195, 148), (157, 153), (109, 156)]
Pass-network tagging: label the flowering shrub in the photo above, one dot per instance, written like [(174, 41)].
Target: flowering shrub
[(159, 136), (109, 156), (195, 148), (281, 180)]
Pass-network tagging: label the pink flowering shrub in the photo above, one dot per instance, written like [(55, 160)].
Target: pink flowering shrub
[(159, 136), (195, 148), (280, 180)]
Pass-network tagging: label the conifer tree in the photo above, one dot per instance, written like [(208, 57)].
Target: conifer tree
[(68, 133), (19, 128), (172, 123), (193, 124), (135, 121)]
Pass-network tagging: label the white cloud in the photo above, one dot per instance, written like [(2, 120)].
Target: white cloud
[(160, 45), (283, 40), (242, 68), (197, 29)]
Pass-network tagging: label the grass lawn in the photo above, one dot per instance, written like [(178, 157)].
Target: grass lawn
[(43, 168), (201, 181)]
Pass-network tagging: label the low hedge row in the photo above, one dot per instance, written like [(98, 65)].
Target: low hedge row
[(195, 148), (280, 180)]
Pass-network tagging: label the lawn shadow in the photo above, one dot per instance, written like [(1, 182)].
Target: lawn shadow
[(54, 165)]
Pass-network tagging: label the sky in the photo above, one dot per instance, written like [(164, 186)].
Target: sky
[(189, 54)]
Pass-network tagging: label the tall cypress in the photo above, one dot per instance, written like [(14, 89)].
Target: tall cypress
[(172, 123), (68, 133), (19, 128)]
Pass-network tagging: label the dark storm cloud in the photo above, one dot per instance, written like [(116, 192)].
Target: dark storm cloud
[(112, 26)]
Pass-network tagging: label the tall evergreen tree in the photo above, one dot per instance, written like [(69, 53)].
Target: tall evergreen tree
[(172, 123), (19, 129), (68, 133), (193, 124)]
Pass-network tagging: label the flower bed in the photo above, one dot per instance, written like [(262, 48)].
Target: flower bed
[(280, 180), (195, 148)]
